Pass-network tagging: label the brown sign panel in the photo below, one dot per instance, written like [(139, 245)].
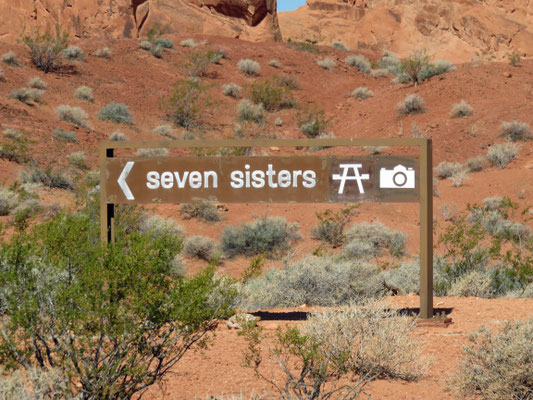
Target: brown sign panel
[(305, 179)]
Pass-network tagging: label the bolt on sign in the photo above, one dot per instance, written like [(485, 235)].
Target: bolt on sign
[(275, 179)]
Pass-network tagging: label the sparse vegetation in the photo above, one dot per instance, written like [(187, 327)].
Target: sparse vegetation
[(447, 169), (164, 130), (159, 227), (198, 62), (116, 112), (68, 136), (153, 152), (271, 95), (459, 177), (2, 75), (27, 95), (497, 365), (10, 58), (117, 137), (476, 164), (364, 241), (249, 67), (165, 43), (327, 63), (203, 211), (287, 81), (248, 111), (189, 43), (15, 146), (84, 93), (104, 52), (231, 90), (48, 177), (186, 104), (37, 83), (412, 104), (312, 122), (200, 247), (461, 110), (362, 93), (515, 131), (45, 49), (270, 235), (360, 62), (73, 115), (414, 66), (502, 154), (514, 58), (339, 46), (438, 68), (77, 160), (8, 201), (331, 225), (73, 53), (306, 46), (274, 63)]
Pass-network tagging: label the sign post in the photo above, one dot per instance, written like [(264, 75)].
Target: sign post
[(275, 179)]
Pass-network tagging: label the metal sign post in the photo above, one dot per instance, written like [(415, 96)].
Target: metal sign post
[(274, 179)]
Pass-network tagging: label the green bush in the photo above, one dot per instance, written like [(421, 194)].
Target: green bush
[(331, 225), (77, 159), (412, 104), (48, 177), (130, 322), (310, 281), (15, 146), (198, 63), (390, 63), (306, 46), (186, 104), (497, 365), (84, 93), (312, 122), (200, 247), (10, 59), (360, 62), (327, 63), (502, 154), (366, 240), (68, 136), (203, 211), (8, 201), (339, 46), (415, 66), (248, 111), (157, 51), (362, 93), (270, 235), (461, 110), (45, 49), (116, 112), (73, 53), (166, 43), (271, 95), (515, 131), (438, 68), (249, 67), (73, 115)]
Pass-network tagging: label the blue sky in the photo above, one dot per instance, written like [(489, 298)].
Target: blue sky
[(289, 5)]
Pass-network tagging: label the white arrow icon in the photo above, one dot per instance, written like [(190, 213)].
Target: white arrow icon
[(122, 180)]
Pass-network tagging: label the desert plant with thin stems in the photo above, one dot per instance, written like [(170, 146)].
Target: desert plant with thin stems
[(45, 49)]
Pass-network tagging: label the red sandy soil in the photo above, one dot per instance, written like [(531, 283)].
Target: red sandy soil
[(497, 92)]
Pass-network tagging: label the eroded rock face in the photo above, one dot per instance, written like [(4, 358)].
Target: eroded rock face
[(248, 19), (457, 30)]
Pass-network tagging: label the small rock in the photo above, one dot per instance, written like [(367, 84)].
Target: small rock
[(507, 74), (274, 148)]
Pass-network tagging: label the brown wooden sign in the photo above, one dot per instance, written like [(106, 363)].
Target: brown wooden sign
[(305, 179)]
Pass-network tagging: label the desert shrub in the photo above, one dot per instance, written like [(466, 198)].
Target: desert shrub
[(287, 81), (15, 146), (10, 58), (77, 159), (8, 200), (447, 169), (515, 131), (502, 154), (379, 73), (476, 283), (164, 130), (306, 46), (27, 95), (374, 150), (186, 104), (360, 62), (200, 247), (158, 226), (337, 353), (117, 137), (203, 211), (309, 281), (189, 43), (153, 152), (2, 75), (412, 104), (278, 121), (497, 365), (131, 323), (476, 164), (331, 225), (45, 49), (312, 122), (68, 136), (37, 83), (249, 67), (271, 95), (269, 235), (404, 278), (460, 110), (34, 384), (366, 240), (514, 58), (417, 132), (73, 115), (458, 178), (104, 52), (73, 53), (390, 63), (248, 111), (448, 211), (165, 43), (415, 66), (231, 90), (327, 63), (338, 45), (116, 112), (48, 177), (362, 93), (198, 62), (145, 45), (84, 93), (437, 68), (274, 63)]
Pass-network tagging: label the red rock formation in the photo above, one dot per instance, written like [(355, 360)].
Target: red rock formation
[(247, 19), (454, 29)]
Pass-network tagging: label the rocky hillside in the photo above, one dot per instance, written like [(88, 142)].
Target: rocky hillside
[(247, 19), (457, 30)]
